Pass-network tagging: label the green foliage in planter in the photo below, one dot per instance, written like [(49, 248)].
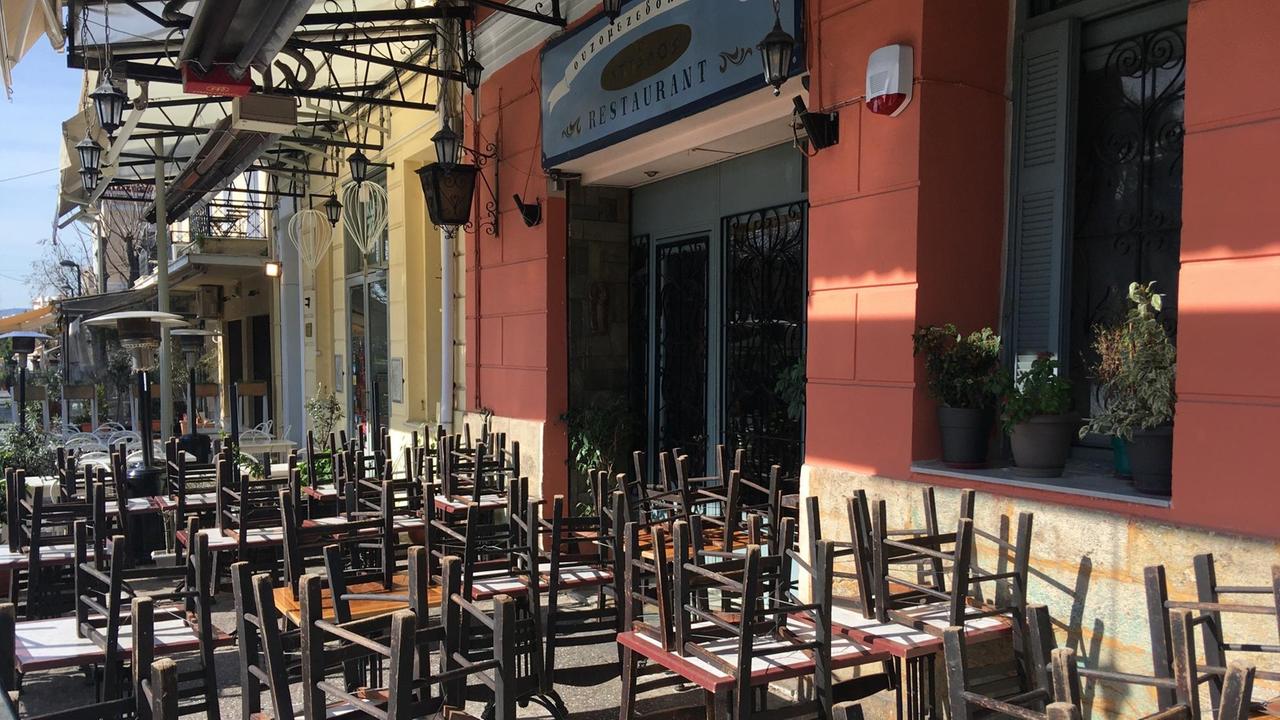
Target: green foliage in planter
[(597, 434), (323, 411), (324, 472), (1136, 368), (1039, 390), (963, 370)]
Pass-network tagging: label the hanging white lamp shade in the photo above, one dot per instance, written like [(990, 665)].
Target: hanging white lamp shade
[(364, 213), (311, 233)]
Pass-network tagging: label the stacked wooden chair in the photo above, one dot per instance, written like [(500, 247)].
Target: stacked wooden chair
[(398, 642), (1057, 693), (572, 554), (185, 592), (153, 688), (766, 634), (1215, 602), (42, 544)]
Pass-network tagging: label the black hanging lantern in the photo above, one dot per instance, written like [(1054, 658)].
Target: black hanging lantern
[(90, 154), (448, 145), (359, 167), (333, 210), (775, 50), (448, 191), (89, 178), (471, 72), (612, 8), (108, 103)]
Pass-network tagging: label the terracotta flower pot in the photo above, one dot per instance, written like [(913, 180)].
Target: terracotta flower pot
[(1041, 444)]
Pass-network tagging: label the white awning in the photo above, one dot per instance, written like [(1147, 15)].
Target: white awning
[(23, 22)]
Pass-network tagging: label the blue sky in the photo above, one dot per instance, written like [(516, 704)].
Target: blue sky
[(45, 93)]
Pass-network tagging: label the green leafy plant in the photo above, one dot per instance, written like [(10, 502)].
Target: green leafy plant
[(790, 388), (1039, 390), (1136, 369), (963, 370), (324, 472), (323, 411), (32, 450), (597, 434)]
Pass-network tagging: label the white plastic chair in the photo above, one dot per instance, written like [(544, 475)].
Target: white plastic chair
[(128, 437), (105, 430), (254, 435), (96, 458), (85, 442)]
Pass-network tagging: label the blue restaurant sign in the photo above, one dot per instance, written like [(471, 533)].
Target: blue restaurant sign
[(660, 61)]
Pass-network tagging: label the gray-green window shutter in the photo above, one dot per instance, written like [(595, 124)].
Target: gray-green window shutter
[(1045, 103)]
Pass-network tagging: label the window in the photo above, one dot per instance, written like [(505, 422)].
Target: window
[(1097, 183)]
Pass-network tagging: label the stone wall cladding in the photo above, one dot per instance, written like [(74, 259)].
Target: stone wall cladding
[(1087, 567)]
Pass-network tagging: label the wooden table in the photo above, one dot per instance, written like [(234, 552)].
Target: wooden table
[(291, 608), (914, 647)]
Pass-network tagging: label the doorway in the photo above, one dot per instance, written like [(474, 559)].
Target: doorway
[(718, 311)]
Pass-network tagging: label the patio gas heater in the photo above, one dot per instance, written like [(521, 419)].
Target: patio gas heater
[(191, 342), (139, 332), (24, 343)]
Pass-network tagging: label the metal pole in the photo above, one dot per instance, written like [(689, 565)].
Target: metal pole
[(162, 296), (144, 417), (101, 253), (447, 111), (22, 393), (447, 310), (369, 422)]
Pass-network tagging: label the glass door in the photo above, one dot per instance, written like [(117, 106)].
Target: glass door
[(679, 369), (367, 349)]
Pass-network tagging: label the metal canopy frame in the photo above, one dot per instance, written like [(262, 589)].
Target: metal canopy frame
[(344, 63)]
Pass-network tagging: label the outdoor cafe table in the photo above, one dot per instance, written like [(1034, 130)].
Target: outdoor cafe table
[(914, 647)]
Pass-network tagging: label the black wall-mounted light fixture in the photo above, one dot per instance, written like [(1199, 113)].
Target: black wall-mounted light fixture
[(822, 129), (448, 190), (776, 50), (531, 213)]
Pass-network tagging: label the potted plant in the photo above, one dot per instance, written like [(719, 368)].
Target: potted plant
[(1136, 370), (964, 377), (1036, 414)]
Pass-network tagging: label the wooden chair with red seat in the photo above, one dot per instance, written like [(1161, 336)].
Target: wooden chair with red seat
[(572, 554), (770, 634), (154, 682), (1214, 602), (41, 534), (472, 636), (183, 596)]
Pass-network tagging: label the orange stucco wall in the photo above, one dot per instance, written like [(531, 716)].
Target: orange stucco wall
[(906, 219), (907, 228), (1228, 419), (516, 324)]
